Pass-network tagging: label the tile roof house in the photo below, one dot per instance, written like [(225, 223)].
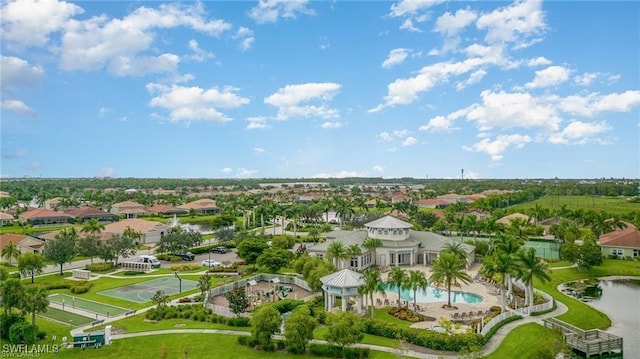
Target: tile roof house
[(432, 203), (166, 210), (128, 209), (151, 231), (24, 243), (86, 213), (52, 203), (621, 242), (400, 244), (36, 216), (506, 220), (204, 206), (400, 196), (5, 218)]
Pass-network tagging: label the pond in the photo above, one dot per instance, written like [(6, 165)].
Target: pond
[(432, 294), (620, 300)]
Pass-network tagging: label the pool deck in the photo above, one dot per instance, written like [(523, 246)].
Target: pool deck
[(489, 293)]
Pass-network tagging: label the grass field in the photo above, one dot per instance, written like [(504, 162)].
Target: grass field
[(613, 205), (529, 341), (88, 305), (137, 323), (69, 318)]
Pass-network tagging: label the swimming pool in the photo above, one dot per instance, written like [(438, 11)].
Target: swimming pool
[(434, 295)]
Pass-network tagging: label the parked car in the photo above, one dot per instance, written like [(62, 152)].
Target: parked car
[(155, 263), (220, 250), (210, 263), (185, 256)]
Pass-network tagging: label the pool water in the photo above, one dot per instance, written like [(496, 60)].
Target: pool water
[(432, 294)]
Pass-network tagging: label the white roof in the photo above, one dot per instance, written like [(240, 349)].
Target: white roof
[(389, 223), (345, 278)]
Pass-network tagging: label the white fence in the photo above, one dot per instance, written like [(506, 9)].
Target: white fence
[(524, 311), (224, 311)]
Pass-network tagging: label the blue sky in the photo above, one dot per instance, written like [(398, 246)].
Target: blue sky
[(274, 88)]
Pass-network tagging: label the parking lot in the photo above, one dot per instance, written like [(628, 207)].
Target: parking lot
[(229, 256)]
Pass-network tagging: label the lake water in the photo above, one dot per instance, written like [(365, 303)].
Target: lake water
[(620, 300)]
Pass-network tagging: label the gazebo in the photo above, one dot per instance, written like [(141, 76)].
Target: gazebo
[(343, 284)]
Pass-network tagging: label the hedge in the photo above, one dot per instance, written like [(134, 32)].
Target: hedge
[(495, 328), (554, 307), (425, 338), (332, 351), (194, 312), (100, 267)]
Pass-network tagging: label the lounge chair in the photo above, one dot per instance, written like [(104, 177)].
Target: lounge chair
[(471, 314), (463, 316), (480, 313), (455, 315)]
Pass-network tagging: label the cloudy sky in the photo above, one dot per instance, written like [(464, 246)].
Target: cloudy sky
[(275, 88)]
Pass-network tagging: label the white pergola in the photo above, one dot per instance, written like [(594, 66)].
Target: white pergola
[(343, 284)]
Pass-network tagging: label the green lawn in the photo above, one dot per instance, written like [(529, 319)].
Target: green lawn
[(613, 205), (320, 332), (560, 264), (581, 314), (66, 317), (211, 346), (137, 323), (527, 341)]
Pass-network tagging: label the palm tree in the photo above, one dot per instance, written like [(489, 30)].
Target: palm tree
[(447, 269), (314, 233), (416, 280), (455, 248), (530, 267), (10, 251), (92, 227), (343, 209), (354, 251), (372, 284), (326, 204), (501, 264), (35, 300), (398, 278), (518, 227), (506, 243), (336, 252), (370, 244)]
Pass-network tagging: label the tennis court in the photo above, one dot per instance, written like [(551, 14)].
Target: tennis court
[(87, 305), (72, 319), (144, 291), (546, 250)]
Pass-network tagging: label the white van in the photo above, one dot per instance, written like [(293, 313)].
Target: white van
[(155, 263)]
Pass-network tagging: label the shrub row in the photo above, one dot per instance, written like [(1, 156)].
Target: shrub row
[(81, 287), (194, 312), (406, 314), (287, 305), (221, 269), (425, 338), (332, 351), (184, 267), (100, 267), (553, 307), (132, 272), (167, 257), (493, 330)]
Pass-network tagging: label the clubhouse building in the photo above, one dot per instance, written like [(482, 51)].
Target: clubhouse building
[(401, 246)]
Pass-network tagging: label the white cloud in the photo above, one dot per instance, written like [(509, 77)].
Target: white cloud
[(199, 54), (30, 22), (17, 106), (552, 75), (17, 72), (578, 132), (444, 123), (401, 133), (14, 155), (471, 175), (289, 98), (246, 38), (496, 147), (332, 124), (324, 43), (245, 173), (106, 172), (451, 24), (227, 170), (473, 79), (259, 151), (269, 11), (257, 123), (103, 111), (594, 103), (409, 141), (395, 57), (378, 169), (538, 61), (586, 78), (515, 23), (341, 174), (194, 103), (411, 7), (385, 136), (120, 45)]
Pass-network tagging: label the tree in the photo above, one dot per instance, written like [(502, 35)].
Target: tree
[(372, 284), (251, 248), (238, 300), (570, 252), (35, 300), (344, 328), (274, 258), (590, 254), (501, 264), (370, 244), (62, 248), (92, 227), (179, 240), (415, 281), (530, 267), (314, 233), (122, 246), (312, 269), (354, 251), (299, 327), (343, 209), (160, 299), (31, 264), (447, 269), (204, 284), (566, 230), (88, 246), (425, 220), (336, 252), (397, 278), (11, 293), (265, 322), (455, 248), (10, 251)]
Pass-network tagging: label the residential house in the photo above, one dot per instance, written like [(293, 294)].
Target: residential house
[(397, 197), (432, 203), (37, 216), (400, 245), (128, 209), (201, 206), (87, 213), (480, 215), (52, 203), (166, 210), (621, 242), (5, 219), (24, 243), (151, 231), (506, 220)]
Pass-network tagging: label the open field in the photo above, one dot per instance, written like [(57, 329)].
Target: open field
[(87, 305), (75, 320), (137, 323), (613, 205), (528, 341)]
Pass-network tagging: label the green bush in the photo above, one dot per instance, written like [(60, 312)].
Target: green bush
[(332, 351), (495, 328), (41, 334), (287, 305), (268, 347), (100, 267), (184, 267), (22, 333), (222, 270), (132, 272), (6, 321), (238, 322), (63, 285), (81, 287), (406, 314)]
